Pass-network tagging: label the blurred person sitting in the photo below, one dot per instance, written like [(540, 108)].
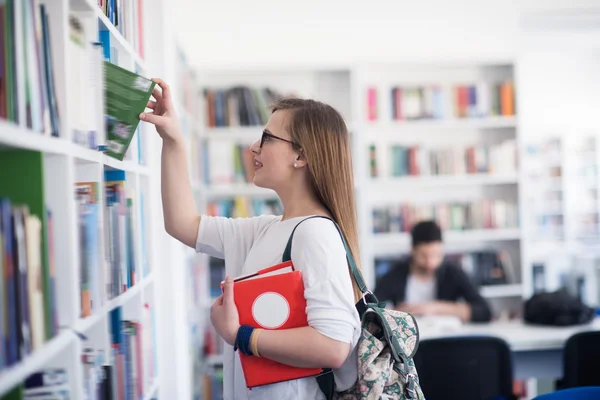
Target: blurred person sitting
[(424, 284)]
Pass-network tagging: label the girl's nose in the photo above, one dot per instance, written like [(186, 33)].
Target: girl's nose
[(255, 147)]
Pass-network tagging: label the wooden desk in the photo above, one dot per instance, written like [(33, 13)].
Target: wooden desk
[(537, 351)]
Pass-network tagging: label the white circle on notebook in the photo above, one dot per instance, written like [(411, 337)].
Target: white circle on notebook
[(270, 310)]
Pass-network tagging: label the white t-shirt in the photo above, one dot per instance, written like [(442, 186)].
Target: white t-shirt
[(419, 290), (250, 244)]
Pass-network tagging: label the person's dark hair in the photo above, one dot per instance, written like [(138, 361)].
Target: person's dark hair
[(426, 232)]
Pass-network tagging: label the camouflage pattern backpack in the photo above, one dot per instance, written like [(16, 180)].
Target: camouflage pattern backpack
[(388, 342)]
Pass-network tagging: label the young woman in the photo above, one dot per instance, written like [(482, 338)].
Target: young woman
[(304, 156)]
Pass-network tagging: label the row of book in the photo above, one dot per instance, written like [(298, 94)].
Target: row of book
[(133, 350), (108, 263), (212, 380), (238, 106), (47, 384), (244, 206), (420, 161), (28, 298), (213, 385), (486, 267), (455, 216), (130, 367), (124, 374), (127, 16), (225, 162), (543, 171), (27, 83), (477, 100)]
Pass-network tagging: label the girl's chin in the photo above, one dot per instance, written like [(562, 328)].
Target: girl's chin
[(259, 182)]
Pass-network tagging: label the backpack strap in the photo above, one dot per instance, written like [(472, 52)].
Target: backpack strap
[(326, 380), (360, 282)]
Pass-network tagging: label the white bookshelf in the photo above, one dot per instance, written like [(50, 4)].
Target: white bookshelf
[(558, 90), (64, 163), (392, 128)]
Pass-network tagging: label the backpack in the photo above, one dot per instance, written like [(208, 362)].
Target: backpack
[(558, 308), (387, 344)]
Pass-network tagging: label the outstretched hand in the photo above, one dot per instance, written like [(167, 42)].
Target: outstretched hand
[(163, 115), (224, 315)]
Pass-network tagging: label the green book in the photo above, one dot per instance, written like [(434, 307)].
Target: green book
[(126, 95)]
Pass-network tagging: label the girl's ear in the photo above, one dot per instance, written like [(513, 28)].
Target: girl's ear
[(300, 160)]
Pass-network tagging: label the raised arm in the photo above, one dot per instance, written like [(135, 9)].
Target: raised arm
[(180, 216)]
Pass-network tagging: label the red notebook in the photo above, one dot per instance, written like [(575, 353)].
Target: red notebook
[(272, 298)]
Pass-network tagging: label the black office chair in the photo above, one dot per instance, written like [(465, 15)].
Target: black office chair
[(581, 361), (466, 368)]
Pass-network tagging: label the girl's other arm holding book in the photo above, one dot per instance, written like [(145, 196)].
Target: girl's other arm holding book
[(180, 216), (288, 346)]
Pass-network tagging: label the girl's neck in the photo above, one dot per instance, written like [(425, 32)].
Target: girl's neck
[(301, 202)]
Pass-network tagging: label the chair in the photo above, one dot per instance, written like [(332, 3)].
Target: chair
[(581, 361), (580, 393), (466, 368)]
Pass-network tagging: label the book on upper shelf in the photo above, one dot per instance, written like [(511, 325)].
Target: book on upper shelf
[(438, 102), (104, 98), (126, 95), (238, 106), (127, 16), (27, 83)]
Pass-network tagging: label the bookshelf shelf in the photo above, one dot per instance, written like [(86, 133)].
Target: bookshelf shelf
[(152, 391), (498, 291), (93, 156), (85, 324), (238, 189), (443, 180), (128, 166), (38, 359), (215, 360), (375, 128), (12, 135), (397, 242)]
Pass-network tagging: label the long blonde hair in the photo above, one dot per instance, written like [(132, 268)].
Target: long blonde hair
[(320, 131)]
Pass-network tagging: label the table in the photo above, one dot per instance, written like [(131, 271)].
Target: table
[(537, 350)]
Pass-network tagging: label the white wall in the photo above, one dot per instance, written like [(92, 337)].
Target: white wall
[(331, 32)]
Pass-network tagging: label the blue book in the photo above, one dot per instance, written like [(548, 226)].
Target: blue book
[(3, 339), (12, 345)]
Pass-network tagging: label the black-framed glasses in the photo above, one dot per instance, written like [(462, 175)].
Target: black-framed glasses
[(268, 135)]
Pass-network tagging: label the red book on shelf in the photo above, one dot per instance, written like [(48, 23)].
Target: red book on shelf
[(270, 299)]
